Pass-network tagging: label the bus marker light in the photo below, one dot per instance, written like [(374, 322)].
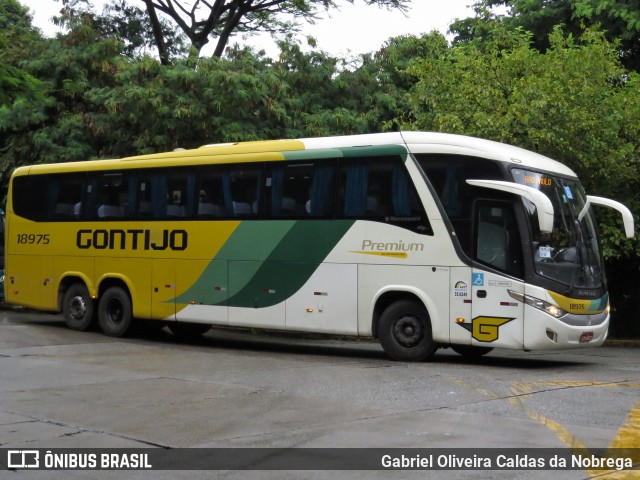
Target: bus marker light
[(459, 320), (309, 310), (586, 337)]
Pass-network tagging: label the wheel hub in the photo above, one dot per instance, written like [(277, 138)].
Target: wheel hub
[(408, 331), (78, 307), (115, 311)]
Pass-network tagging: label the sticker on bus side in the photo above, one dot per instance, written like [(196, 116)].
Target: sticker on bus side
[(486, 329)]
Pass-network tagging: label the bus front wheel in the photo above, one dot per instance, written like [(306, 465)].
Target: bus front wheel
[(405, 332), (114, 312), (78, 307)]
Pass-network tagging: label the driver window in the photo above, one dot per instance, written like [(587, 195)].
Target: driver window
[(497, 240)]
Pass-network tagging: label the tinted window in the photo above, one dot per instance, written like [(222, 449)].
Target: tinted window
[(497, 237), (241, 189), (301, 190), (376, 189), (448, 175), (380, 189)]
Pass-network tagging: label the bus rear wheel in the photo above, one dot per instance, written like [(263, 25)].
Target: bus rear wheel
[(78, 307), (405, 332), (114, 312)]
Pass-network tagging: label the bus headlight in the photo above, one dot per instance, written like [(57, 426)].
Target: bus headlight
[(539, 304)]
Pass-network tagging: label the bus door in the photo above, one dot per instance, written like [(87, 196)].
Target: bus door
[(497, 319)]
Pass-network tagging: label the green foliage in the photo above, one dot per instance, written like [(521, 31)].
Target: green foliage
[(48, 122), (574, 103), (618, 19), (16, 85), (244, 96)]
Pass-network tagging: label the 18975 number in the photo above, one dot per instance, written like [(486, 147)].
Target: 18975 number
[(33, 239)]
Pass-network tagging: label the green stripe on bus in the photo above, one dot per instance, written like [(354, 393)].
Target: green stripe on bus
[(348, 152), (264, 263), (290, 265)]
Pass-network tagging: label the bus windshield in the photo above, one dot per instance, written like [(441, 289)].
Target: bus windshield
[(571, 253)]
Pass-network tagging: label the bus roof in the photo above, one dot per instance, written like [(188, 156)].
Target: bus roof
[(274, 150), (432, 142)]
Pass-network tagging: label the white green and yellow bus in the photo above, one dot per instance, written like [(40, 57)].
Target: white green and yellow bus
[(420, 240)]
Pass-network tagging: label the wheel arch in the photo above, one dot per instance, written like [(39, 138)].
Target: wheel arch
[(392, 294), (109, 281), (71, 278)]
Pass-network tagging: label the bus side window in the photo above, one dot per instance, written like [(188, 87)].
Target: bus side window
[(113, 196), (376, 188), (64, 197), (211, 202), (497, 239), (29, 196), (448, 175), (241, 191), (144, 202), (180, 190), (354, 188), (380, 189), (322, 190), (290, 189)]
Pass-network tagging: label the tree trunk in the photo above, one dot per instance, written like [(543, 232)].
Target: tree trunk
[(163, 53)]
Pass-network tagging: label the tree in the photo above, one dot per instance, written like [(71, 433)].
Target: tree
[(618, 19), (52, 123), (21, 95), (15, 33), (199, 20), (133, 26), (574, 103), (242, 96)]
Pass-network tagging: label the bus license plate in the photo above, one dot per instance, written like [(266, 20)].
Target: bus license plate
[(586, 337)]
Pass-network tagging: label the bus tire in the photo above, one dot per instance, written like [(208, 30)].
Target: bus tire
[(78, 307), (470, 352), (405, 332), (114, 312)]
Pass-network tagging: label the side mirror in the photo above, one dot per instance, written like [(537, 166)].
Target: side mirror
[(627, 216), (544, 207)]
